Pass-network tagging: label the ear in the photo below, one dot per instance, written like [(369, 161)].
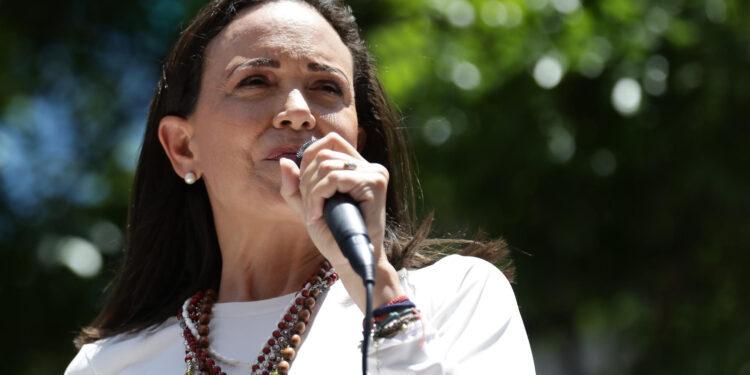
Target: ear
[(175, 134), (361, 139)]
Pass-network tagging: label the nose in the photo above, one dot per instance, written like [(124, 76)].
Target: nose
[(295, 113)]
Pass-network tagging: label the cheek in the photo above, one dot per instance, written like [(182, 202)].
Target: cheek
[(224, 153), (344, 123), (229, 128), (224, 141)]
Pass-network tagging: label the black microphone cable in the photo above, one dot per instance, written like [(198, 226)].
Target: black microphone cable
[(342, 215)]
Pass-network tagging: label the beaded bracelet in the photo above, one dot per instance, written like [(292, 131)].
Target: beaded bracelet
[(395, 306), (396, 323), (385, 319), (395, 317)]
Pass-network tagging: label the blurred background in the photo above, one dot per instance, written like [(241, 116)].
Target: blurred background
[(606, 141)]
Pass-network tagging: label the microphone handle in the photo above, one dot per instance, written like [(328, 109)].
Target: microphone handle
[(344, 219)]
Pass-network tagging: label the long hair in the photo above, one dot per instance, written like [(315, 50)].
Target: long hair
[(172, 249)]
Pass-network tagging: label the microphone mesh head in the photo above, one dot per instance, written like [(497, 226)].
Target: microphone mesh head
[(302, 149)]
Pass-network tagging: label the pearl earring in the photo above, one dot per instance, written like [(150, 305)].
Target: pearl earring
[(190, 178)]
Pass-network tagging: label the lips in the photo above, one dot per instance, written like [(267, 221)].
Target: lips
[(285, 151)]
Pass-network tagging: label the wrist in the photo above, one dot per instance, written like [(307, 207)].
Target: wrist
[(387, 284)]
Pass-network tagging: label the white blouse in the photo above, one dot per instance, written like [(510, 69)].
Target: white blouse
[(470, 325)]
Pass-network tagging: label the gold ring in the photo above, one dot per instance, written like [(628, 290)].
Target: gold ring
[(350, 166)]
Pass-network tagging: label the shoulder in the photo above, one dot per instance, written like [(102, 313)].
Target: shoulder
[(455, 273), (459, 280), (124, 352), (81, 364)]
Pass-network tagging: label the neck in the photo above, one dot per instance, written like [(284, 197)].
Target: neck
[(262, 260)]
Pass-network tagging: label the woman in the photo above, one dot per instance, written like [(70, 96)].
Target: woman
[(216, 256)]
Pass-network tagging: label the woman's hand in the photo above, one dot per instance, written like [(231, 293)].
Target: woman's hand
[(322, 173)]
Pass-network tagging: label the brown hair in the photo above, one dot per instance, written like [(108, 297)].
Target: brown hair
[(172, 249)]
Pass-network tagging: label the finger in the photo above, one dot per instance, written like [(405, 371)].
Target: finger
[(345, 180), (362, 186), (325, 188), (325, 162), (332, 141), (290, 185)]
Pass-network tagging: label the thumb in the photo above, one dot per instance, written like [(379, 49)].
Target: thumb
[(290, 185)]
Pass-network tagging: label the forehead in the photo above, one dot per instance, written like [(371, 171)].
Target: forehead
[(283, 30)]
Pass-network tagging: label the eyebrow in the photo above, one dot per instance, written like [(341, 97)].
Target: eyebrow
[(256, 62), (271, 63), (317, 67)]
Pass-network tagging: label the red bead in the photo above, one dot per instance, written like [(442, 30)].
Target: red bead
[(216, 370), (287, 317), (282, 325), (298, 301), (276, 334), (261, 358), (271, 342), (256, 367), (210, 362), (293, 309), (266, 350), (306, 293), (265, 372)]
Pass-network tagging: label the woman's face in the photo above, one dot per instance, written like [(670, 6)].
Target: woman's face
[(277, 75)]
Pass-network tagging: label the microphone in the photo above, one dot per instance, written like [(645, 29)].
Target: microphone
[(344, 219), (348, 228)]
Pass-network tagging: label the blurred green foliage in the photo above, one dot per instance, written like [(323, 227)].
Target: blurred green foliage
[(605, 140)]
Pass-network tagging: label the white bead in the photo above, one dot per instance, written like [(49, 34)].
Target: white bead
[(190, 178)]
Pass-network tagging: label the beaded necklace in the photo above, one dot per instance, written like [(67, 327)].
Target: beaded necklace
[(276, 356)]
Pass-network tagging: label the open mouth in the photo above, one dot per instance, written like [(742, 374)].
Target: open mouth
[(289, 155), (286, 151)]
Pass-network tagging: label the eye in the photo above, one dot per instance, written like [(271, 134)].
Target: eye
[(331, 87), (254, 80)]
